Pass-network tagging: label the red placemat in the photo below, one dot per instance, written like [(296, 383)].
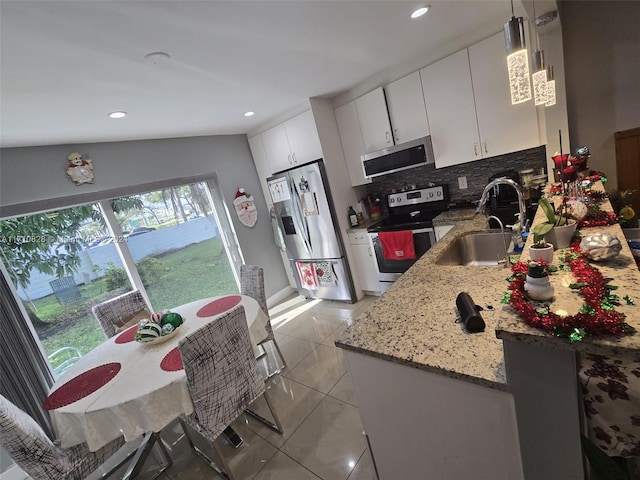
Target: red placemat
[(218, 306), (128, 335), (172, 361), (81, 386)]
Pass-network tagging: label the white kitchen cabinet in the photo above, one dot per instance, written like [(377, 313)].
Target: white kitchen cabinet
[(303, 138), (441, 231), (351, 140), (503, 127), (262, 164), (294, 142), (453, 429), (365, 261), (469, 107), (276, 146), (374, 121), (408, 115), (448, 95)]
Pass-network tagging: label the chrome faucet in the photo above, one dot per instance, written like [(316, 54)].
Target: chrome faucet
[(505, 261), (504, 181)]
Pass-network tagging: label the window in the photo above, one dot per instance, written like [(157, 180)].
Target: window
[(173, 244)]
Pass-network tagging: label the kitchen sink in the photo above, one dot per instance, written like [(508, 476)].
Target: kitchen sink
[(477, 249)]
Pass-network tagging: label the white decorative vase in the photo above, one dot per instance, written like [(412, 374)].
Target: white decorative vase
[(541, 254), (561, 236)]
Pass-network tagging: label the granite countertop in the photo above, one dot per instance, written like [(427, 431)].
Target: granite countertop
[(364, 226), (624, 272), (415, 321), (454, 216)]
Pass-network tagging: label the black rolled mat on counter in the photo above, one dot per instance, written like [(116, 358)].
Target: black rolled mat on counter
[(469, 313)]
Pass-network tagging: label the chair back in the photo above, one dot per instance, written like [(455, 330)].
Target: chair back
[(28, 445), (252, 285), (118, 309), (222, 372)]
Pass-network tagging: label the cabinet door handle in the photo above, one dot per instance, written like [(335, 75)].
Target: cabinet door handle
[(369, 250), (387, 137), (485, 147), (396, 135), (293, 155), (475, 149), (289, 159)]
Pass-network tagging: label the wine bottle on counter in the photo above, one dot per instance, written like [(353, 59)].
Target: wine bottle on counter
[(353, 218)]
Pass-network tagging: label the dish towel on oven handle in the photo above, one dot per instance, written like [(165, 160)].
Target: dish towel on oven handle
[(397, 245)]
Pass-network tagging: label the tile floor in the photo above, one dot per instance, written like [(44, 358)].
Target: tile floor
[(323, 435)]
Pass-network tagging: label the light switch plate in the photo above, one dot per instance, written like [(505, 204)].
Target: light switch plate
[(462, 183)]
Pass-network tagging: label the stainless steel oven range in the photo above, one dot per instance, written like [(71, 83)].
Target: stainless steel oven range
[(409, 211)]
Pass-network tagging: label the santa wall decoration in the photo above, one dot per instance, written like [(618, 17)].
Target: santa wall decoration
[(245, 208)]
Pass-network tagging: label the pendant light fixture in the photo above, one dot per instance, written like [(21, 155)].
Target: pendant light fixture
[(551, 88), (517, 59), (539, 75)]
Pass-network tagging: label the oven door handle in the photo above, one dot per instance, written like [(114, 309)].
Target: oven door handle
[(423, 230)]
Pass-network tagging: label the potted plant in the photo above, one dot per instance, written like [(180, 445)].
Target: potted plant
[(540, 249), (558, 228)]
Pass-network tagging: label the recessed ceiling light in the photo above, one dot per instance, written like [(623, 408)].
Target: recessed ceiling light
[(249, 114), (117, 114), (157, 58), (418, 12)]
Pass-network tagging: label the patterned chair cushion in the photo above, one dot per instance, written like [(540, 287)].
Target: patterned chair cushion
[(222, 372), (37, 455), (118, 310), (252, 285)]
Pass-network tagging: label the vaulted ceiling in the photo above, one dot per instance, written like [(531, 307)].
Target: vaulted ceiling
[(66, 64)]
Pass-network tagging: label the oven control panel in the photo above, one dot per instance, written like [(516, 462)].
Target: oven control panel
[(413, 197)]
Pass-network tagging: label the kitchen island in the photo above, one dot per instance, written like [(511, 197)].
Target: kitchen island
[(434, 398)]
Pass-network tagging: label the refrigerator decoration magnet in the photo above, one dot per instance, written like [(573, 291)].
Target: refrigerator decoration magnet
[(245, 208)]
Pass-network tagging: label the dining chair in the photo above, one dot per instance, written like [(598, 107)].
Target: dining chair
[(120, 311), (252, 285), (38, 456), (223, 379), (63, 359), (33, 451)]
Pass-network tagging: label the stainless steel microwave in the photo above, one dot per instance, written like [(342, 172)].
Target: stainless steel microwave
[(399, 157)]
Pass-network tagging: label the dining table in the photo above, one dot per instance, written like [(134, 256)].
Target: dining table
[(127, 388)]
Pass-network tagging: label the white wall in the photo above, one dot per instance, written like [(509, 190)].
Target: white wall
[(37, 174), (602, 64)]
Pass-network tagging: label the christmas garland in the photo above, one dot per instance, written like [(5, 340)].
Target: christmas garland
[(596, 317), (598, 218)]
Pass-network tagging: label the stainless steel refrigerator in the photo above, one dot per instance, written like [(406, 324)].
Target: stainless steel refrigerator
[(306, 215)]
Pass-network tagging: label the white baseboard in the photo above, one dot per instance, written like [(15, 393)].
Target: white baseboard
[(278, 297)]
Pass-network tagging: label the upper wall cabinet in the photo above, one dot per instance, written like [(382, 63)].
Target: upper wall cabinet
[(503, 127), (351, 140), (292, 143), (407, 112), (262, 164), (374, 121), (448, 94), (469, 107)]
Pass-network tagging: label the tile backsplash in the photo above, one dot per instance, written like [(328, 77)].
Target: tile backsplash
[(477, 174)]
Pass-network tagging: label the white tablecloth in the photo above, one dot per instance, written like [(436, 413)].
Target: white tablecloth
[(142, 396)]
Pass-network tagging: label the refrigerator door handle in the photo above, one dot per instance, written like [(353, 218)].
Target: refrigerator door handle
[(299, 217)]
